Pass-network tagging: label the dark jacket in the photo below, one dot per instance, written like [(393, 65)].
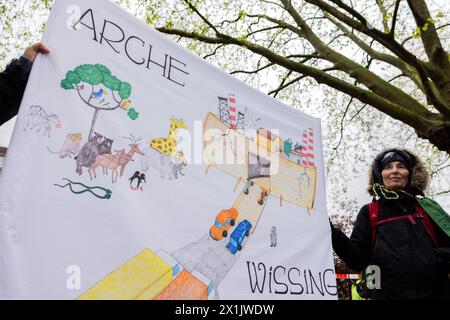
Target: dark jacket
[(411, 266), (13, 81)]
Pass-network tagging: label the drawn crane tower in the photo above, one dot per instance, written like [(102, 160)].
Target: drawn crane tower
[(227, 113), (224, 111)]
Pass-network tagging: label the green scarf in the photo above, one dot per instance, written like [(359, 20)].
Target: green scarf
[(434, 210)]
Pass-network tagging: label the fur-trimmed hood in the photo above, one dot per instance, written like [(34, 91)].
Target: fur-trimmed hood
[(419, 178)]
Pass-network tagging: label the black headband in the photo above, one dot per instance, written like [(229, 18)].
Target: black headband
[(384, 158)]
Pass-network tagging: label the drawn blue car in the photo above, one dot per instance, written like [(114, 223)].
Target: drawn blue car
[(238, 235)]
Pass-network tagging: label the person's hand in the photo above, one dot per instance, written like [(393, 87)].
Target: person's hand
[(32, 50)]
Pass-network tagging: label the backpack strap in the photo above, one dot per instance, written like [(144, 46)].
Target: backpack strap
[(374, 209), (427, 224)]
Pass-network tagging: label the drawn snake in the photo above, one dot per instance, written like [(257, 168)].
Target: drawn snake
[(107, 194)]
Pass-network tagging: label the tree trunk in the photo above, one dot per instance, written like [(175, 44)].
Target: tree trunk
[(93, 123)]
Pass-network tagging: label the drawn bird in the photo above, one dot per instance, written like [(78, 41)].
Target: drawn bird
[(140, 179), (126, 104), (97, 95), (80, 87), (136, 175)]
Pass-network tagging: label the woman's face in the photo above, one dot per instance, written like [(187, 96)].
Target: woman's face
[(395, 175)]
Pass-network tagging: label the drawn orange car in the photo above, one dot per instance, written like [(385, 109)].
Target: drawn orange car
[(224, 220)]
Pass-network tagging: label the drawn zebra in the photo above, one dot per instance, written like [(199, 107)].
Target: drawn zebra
[(38, 119)]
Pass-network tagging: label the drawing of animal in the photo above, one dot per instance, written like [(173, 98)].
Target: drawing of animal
[(107, 161), (178, 170), (97, 95), (105, 146), (39, 119), (167, 145), (93, 190), (96, 145), (140, 177), (133, 177), (178, 163), (167, 166), (134, 148), (159, 161), (126, 104), (162, 153), (70, 147)]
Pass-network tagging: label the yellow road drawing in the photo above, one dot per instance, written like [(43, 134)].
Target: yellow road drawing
[(142, 277), (247, 204)]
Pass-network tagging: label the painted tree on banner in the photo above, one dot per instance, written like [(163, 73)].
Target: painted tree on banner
[(93, 84)]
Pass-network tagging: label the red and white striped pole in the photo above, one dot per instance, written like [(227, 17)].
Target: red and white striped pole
[(232, 109), (304, 148), (311, 147)]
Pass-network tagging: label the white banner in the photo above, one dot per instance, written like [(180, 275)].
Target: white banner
[(139, 171)]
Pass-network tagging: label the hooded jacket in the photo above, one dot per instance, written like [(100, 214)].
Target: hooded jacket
[(13, 81), (411, 265)]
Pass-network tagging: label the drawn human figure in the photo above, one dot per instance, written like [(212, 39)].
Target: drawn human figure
[(273, 237)]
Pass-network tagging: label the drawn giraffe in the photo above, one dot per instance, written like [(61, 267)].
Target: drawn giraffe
[(167, 145)]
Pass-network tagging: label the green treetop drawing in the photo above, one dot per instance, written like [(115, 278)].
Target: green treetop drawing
[(100, 90)]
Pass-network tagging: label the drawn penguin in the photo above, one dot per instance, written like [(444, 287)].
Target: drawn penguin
[(140, 179), (136, 175)]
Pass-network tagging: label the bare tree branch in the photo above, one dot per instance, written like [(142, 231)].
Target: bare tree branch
[(424, 70), (384, 15), (409, 71), (279, 23), (262, 30), (214, 52), (437, 28), (417, 119), (362, 75), (342, 124), (252, 71), (193, 8), (394, 18), (369, 88), (439, 65), (441, 193)]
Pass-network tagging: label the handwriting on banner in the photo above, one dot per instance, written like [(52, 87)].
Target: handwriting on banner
[(289, 280), (137, 50)]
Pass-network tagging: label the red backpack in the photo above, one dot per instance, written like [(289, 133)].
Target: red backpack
[(374, 209)]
